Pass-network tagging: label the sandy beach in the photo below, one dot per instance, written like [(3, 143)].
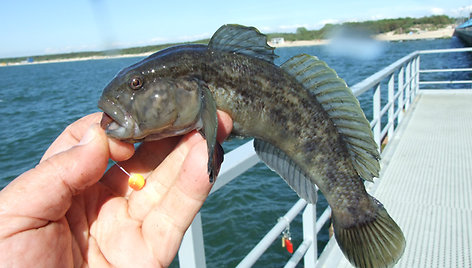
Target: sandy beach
[(446, 32)]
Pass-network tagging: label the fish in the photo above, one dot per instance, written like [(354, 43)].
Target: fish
[(306, 123)]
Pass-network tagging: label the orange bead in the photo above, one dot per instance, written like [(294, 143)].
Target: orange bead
[(136, 181)]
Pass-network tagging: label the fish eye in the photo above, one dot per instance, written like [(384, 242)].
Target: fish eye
[(136, 83)]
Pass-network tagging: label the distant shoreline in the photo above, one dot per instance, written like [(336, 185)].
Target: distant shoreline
[(79, 59), (446, 32)]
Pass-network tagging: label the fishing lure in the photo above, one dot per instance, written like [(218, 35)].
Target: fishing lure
[(136, 181)]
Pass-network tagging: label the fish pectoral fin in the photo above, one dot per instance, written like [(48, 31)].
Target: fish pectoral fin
[(209, 130), (242, 40), (281, 163)]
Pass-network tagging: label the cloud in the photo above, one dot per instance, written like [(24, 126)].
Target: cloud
[(166, 40), (460, 12), (281, 28), (70, 49), (437, 11), (194, 37), (266, 29), (378, 17), (328, 21), (159, 40), (294, 27)]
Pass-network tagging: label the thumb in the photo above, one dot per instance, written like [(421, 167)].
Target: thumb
[(46, 191)]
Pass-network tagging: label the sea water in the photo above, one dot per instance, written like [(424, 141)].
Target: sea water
[(37, 101)]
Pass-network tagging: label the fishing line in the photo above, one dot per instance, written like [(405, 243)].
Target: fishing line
[(121, 168)]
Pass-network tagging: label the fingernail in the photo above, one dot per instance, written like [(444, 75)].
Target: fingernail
[(88, 137)]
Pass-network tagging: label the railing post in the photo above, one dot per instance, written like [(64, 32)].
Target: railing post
[(412, 79), (309, 234), (401, 75), (418, 62), (408, 85), (391, 102), (413, 88), (376, 115), (192, 249)]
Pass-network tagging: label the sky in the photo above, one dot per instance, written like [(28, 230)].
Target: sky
[(32, 27)]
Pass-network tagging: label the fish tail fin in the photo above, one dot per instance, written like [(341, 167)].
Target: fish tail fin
[(376, 242)]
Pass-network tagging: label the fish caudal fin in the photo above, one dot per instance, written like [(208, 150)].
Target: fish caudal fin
[(378, 242)]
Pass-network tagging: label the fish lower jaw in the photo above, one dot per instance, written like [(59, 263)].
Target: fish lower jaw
[(116, 131), (113, 126), (122, 131)]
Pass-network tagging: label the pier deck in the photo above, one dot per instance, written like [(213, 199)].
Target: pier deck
[(426, 183)]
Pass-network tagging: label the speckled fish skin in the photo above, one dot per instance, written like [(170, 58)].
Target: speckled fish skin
[(264, 102), (269, 104)]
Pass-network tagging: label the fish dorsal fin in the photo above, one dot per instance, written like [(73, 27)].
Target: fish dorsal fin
[(278, 161), (342, 107), (242, 40)]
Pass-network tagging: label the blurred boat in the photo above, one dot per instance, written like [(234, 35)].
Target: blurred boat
[(464, 32)]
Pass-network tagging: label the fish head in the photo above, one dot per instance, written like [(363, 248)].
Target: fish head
[(143, 105)]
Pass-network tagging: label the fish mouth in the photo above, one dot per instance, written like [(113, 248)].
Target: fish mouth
[(116, 121)]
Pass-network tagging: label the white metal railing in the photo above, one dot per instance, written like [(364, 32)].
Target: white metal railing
[(449, 70), (402, 80)]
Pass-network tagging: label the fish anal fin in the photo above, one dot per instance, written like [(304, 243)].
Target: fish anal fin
[(281, 163), (242, 40)]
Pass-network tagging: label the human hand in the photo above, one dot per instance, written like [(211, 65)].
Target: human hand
[(65, 212)]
